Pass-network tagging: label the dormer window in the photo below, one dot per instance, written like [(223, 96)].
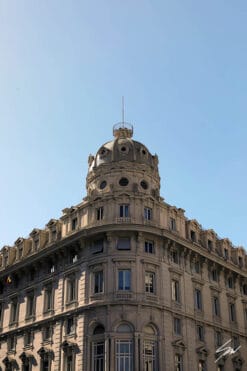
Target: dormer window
[(173, 224), (226, 253), (100, 213), (210, 245), (193, 236), (74, 224), (53, 235)]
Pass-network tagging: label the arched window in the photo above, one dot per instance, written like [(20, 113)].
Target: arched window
[(124, 348), (98, 348), (150, 348)]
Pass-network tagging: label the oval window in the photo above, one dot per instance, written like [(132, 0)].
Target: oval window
[(144, 184), (102, 184), (123, 182)]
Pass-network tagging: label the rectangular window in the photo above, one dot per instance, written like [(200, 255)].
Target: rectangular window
[(175, 291), (216, 306), (150, 357), (149, 247), (47, 333), (30, 311), (198, 299), (197, 267), (123, 243), (45, 364), (232, 311), (98, 356), (14, 311), (48, 298), (215, 275), (210, 245), (124, 279), (124, 211), (11, 342), (150, 282), (218, 338), (178, 362), (230, 282), (124, 355), (74, 224), (173, 224), (177, 326), (98, 282), (175, 256), (193, 236), (147, 213), (70, 326), (69, 361), (100, 213), (226, 253), (1, 315), (98, 246), (71, 289), (200, 332), (28, 338)]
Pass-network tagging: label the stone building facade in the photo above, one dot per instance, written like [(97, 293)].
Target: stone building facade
[(122, 281)]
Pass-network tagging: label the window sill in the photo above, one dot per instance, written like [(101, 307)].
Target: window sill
[(48, 312)]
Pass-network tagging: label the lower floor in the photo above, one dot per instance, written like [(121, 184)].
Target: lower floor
[(123, 338)]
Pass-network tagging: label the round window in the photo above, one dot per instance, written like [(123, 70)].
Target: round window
[(144, 184), (102, 184), (123, 182), (123, 149)]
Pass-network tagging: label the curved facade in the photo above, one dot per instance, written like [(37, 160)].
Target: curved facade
[(122, 281)]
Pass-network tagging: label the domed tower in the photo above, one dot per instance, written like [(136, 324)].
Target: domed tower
[(123, 164)]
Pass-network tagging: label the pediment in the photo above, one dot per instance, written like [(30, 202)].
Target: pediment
[(179, 344)]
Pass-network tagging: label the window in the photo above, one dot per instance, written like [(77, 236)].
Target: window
[(74, 224), (226, 253), (70, 326), (235, 341), (197, 267), (216, 306), (28, 338), (48, 298), (124, 211), (175, 291), (47, 333), (71, 289), (149, 247), (230, 282), (73, 257), (123, 243), (30, 311), (173, 224), (177, 326), (198, 299), (100, 213), (193, 236), (11, 343), (245, 289), (123, 182), (178, 362), (150, 355), (1, 315), (124, 355), (210, 245), (232, 312), (218, 338), (150, 282), (147, 213), (98, 356), (215, 275), (98, 246), (200, 332), (14, 311), (124, 279), (175, 256), (98, 282), (201, 366)]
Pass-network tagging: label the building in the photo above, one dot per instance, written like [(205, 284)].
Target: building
[(122, 281)]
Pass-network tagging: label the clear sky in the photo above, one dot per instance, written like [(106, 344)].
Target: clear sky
[(181, 65)]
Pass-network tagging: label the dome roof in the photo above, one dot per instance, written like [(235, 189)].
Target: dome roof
[(122, 148)]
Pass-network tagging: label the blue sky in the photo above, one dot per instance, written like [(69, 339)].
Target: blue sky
[(181, 65)]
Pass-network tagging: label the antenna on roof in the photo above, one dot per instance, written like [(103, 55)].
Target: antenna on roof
[(123, 110)]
